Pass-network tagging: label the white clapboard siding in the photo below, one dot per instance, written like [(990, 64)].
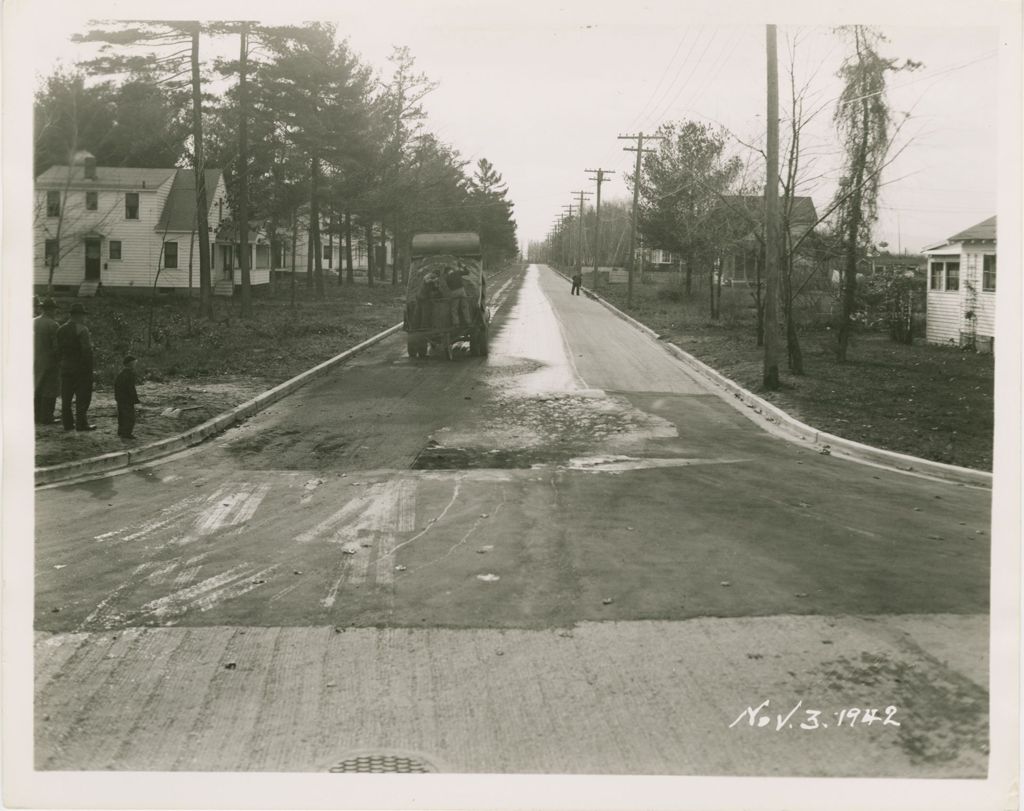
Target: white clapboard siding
[(984, 303), (987, 314), (944, 317), (109, 220)]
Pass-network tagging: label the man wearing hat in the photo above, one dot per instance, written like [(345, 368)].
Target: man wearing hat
[(46, 372), (74, 345)]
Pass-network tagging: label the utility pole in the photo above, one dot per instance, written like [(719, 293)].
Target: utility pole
[(600, 178), (579, 240), (566, 238), (639, 149), (771, 220)]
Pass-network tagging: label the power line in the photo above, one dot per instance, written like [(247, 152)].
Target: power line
[(664, 73)]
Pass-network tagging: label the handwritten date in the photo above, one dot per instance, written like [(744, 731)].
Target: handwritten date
[(760, 717)]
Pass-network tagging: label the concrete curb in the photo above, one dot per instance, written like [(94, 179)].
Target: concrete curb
[(792, 428), (199, 433)]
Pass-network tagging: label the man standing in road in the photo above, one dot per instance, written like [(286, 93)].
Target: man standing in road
[(45, 369), (74, 344), (577, 281)]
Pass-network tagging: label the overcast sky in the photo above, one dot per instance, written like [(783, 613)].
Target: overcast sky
[(543, 89)]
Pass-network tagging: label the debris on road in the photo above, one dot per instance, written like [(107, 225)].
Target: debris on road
[(607, 601), (297, 572), (826, 450), (488, 578), (230, 666), (401, 568), (801, 594), (725, 583)]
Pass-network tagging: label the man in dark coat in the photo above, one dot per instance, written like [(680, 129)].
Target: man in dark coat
[(126, 396), (455, 282), (74, 345), (46, 371)]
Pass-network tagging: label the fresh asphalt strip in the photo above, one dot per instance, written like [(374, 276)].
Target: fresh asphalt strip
[(778, 422)]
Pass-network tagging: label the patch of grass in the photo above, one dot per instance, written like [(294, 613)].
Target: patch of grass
[(929, 401)]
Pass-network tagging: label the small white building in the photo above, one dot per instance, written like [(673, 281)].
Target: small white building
[(962, 288), (129, 228)]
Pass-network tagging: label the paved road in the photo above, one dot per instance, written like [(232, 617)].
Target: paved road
[(568, 557)]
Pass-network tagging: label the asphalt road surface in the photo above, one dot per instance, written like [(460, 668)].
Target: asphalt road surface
[(570, 556)]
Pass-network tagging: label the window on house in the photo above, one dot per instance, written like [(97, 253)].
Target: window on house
[(52, 252), (952, 275), (988, 273), (170, 254), (53, 204), (131, 206), (115, 249), (937, 275), (91, 201)]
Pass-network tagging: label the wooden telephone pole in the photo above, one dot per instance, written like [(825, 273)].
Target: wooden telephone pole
[(579, 238), (639, 149), (600, 178), (566, 237), (770, 375)]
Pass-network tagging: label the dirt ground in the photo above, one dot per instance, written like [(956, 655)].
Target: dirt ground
[(166, 409)]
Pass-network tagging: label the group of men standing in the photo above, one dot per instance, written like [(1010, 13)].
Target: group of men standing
[(63, 366)]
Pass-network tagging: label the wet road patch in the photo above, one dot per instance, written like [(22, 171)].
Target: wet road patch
[(441, 458)]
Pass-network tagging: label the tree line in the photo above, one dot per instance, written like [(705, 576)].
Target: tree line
[(308, 136)]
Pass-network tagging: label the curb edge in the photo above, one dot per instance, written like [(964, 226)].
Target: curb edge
[(746, 401)]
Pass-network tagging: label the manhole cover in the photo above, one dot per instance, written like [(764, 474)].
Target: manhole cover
[(383, 763)]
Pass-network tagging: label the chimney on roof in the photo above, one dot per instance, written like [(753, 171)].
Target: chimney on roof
[(88, 162)]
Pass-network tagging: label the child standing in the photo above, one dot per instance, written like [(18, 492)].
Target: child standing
[(126, 397)]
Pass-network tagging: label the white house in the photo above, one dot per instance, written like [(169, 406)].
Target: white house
[(962, 288), (332, 247), (125, 228)]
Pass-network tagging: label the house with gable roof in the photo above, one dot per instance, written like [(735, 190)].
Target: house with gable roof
[(962, 288), (129, 228)]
